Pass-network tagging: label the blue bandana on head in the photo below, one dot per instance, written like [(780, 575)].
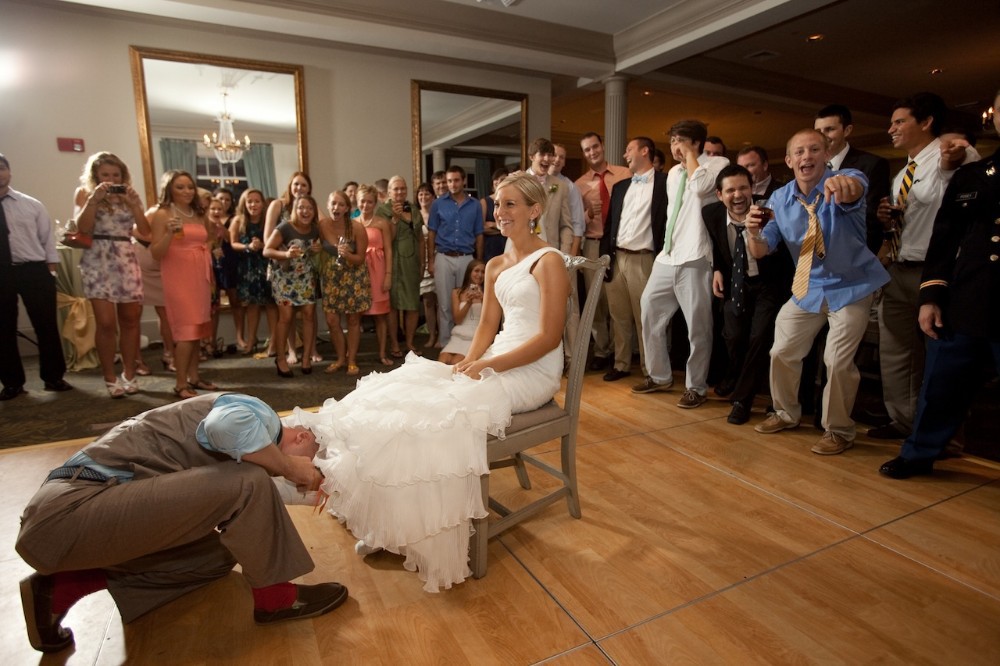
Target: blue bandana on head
[(239, 424)]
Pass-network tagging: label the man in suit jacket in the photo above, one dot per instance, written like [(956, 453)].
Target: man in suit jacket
[(748, 316), (835, 122), (556, 225), (633, 236), (754, 160)]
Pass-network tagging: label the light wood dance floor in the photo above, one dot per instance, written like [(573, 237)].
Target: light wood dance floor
[(700, 542)]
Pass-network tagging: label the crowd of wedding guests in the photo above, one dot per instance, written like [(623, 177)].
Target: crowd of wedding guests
[(194, 254), (774, 280)]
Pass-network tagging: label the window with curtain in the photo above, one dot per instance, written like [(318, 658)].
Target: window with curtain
[(179, 154)]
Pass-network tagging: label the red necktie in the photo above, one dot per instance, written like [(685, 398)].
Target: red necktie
[(605, 198)]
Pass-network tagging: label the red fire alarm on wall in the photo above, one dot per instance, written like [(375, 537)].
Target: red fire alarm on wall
[(70, 145)]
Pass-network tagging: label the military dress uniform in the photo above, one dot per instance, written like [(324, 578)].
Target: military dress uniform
[(961, 276)]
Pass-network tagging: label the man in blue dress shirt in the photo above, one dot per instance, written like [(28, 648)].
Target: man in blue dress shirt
[(820, 217), (455, 231)]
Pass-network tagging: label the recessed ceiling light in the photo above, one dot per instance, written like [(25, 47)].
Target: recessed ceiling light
[(936, 71), (815, 37), (647, 93)]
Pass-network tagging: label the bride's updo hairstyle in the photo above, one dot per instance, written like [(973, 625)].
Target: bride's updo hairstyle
[(530, 188)]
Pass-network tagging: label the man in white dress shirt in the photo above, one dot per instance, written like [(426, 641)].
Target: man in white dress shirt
[(682, 272), (915, 126)]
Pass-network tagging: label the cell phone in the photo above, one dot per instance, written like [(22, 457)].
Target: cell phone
[(117, 189)]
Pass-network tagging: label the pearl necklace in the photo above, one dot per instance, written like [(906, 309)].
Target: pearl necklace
[(180, 212)]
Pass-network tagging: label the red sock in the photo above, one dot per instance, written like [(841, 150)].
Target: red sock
[(274, 597), (68, 587)]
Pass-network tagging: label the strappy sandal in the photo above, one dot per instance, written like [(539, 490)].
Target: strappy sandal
[(203, 385), (131, 386), (115, 389), (185, 393), (386, 361), (333, 367), (395, 353), (142, 369), (353, 370)]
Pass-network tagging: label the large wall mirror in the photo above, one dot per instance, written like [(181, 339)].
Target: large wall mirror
[(478, 128), (185, 99)]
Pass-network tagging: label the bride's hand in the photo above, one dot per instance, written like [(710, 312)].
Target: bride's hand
[(470, 369)]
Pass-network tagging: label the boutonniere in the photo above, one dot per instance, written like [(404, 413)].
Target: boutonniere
[(553, 188)]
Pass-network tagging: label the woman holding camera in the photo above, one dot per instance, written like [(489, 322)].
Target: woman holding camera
[(407, 263), (107, 208)]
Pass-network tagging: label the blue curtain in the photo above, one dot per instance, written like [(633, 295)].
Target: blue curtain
[(484, 173), (179, 154), (259, 165)]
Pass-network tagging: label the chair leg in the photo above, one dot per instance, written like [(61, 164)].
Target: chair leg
[(522, 472), (568, 451), (479, 539)]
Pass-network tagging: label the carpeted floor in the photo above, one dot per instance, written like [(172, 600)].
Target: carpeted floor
[(42, 416)]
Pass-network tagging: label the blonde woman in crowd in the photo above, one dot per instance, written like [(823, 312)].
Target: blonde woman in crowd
[(106, 207)]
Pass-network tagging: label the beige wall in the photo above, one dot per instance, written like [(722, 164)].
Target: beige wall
[(65, 72), (71, 78)]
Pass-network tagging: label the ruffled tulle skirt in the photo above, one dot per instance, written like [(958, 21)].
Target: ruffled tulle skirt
[(402, 456)]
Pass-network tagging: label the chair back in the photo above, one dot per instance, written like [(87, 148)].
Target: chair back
[(581, 341)]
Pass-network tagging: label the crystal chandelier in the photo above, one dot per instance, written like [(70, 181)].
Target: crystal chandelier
[(227, 148)]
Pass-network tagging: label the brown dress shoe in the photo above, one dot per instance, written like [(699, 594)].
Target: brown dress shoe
[(830, 444), (44, 630)]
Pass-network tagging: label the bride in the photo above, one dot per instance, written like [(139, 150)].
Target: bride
[(402, 454)]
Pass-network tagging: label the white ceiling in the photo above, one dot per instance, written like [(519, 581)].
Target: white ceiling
[(690, 54)]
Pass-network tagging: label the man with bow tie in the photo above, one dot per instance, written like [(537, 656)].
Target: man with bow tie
[(637, 216)]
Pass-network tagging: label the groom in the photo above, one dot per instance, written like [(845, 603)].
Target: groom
[(165, 503)]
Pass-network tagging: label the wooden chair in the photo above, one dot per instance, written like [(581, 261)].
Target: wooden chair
[(544, 424)]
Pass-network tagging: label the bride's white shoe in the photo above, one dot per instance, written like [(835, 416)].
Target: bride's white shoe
[(364, 550)]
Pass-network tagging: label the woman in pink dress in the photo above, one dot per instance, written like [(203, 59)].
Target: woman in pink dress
[(181, 234), (379, 260)]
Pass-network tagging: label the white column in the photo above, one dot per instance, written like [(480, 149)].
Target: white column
[(615, 118), (438, 160)]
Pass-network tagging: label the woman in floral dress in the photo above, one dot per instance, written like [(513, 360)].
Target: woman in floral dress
[(246, 234), (107, 207), (344, 278), (293, 279)]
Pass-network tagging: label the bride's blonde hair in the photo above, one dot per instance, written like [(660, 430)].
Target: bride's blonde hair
[(530, 189)]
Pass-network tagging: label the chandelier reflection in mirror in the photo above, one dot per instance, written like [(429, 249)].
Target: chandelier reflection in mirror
[(227, 148)]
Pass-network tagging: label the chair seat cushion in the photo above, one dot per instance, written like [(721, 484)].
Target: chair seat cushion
[(547, 412)]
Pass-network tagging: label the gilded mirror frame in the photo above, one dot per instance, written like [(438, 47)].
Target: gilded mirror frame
[(138, 53), (416, 87)]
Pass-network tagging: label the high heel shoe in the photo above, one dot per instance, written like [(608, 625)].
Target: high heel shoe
[(168, 361), (130, 386), (283, 373)]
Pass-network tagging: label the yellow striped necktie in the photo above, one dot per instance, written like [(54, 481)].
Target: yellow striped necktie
[(896, 234), (811, 244)]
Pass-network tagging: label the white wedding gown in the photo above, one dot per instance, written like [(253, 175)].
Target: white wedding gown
[(402, 453)]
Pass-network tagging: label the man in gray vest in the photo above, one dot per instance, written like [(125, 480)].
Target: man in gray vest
[(166, 502)]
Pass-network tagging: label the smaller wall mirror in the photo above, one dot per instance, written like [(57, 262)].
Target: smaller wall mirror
[(182, 97), (478, 128)]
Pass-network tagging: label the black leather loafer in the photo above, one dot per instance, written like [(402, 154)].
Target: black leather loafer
[(310, 601), (614, 375), (58, 385), (901, 468), (739, 414), (11, 392)]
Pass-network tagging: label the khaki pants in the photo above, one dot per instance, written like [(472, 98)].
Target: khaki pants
[(794, 332), (629, 277), (901, 345)]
